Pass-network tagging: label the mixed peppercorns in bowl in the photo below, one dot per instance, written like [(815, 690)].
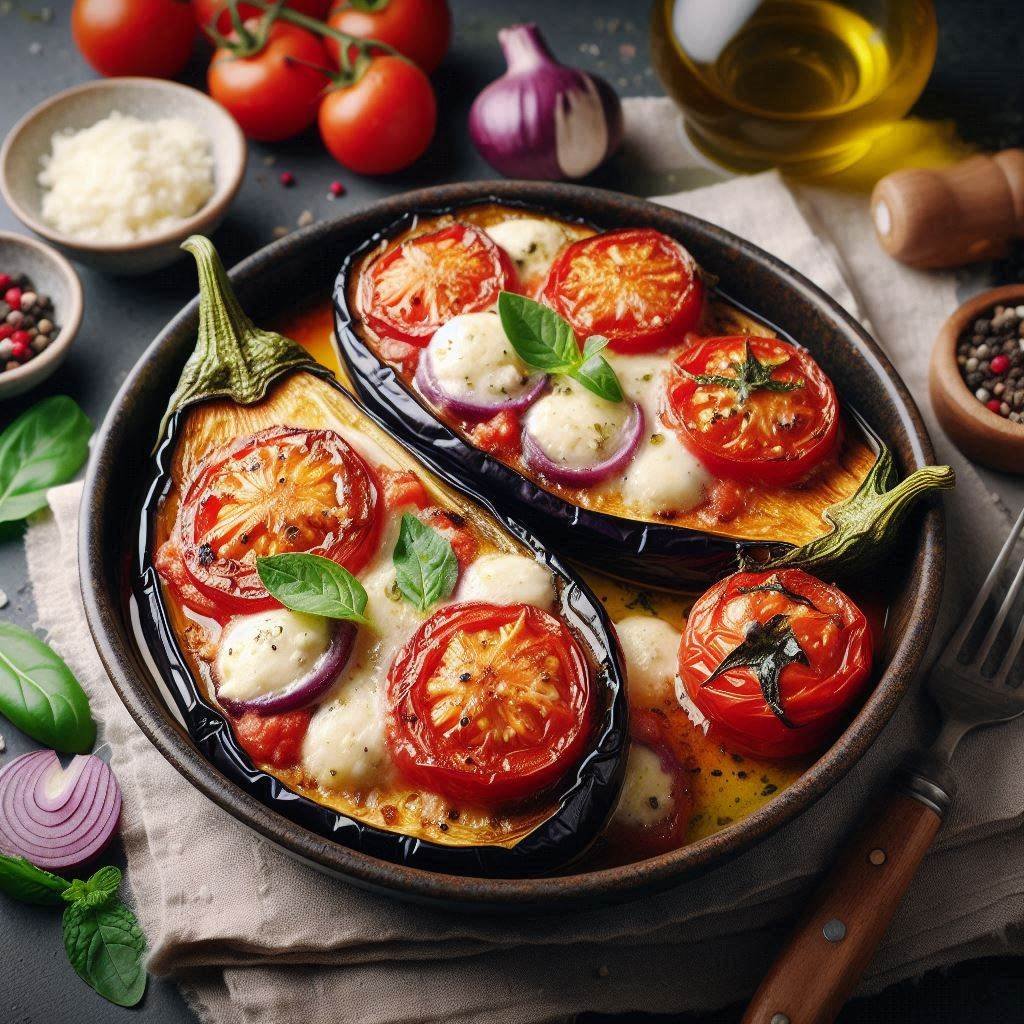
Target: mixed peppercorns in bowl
[(990, 354), (27, 326)]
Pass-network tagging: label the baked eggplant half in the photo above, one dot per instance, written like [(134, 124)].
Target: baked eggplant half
[(350, 638), (596, 386)]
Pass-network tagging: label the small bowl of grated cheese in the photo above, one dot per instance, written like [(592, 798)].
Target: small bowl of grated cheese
[(117, 173)]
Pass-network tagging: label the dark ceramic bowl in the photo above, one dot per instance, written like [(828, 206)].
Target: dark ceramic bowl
[(305, 264)]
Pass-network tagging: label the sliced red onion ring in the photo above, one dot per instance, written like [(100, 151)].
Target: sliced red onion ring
[(307, 689), (586, 476), (431, 389), (55, 818)]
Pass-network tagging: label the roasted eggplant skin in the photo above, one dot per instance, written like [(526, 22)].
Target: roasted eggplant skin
[(584, 806), (655, 554)]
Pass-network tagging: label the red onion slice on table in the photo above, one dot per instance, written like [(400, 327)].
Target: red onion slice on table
[(587, 476), (308, 688), (467, 409), (55, 818)]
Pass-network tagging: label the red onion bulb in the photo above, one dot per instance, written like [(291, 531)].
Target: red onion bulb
[(542, 119), (56, 818)]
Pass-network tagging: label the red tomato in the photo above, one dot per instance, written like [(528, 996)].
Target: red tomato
[(453, 526), (652, 729), (283, 489), (152, 38), (273, 739), (787, 618), (500, 435), (401, 488), (413, 288), (419, 29), (171, 567), (270, 97), (489, 703), (383, 121), (639, 288), (774, 432), (205, 11)]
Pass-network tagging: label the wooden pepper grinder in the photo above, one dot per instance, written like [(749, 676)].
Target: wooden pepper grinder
[(953, 215)]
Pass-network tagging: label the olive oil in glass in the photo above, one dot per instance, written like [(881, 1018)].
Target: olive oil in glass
[(799, 84)]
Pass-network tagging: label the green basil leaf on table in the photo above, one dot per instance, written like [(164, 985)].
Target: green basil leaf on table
[(596, 375), (106, 947), (40, 695), (43, 447), (425, 564), (313, 584), (26, 883)]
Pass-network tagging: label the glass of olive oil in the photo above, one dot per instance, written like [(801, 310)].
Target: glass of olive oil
[(803, 85)]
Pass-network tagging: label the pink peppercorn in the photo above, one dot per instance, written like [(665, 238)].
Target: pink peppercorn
[(5, 282), (21, 338), (6, 330), (21, 352), (993, 405), (999, 364), (287, 179), (337, 189), (13, 298)]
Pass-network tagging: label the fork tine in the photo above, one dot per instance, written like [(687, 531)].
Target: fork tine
[(956, 642), (1003, 675), (997, 622)]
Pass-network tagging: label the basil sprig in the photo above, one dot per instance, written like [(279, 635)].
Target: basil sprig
[(426, 568), (43, 447), (102, 937), (544, 340), (39, 694), (315, 585)]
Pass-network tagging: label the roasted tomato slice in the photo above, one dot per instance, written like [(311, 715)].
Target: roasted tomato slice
[(273, 739), (283, 489), (753, 409), (416, 286), (637, 287), (774, 661), (489, 703), (645, 823)]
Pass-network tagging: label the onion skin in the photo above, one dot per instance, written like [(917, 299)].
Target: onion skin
[(310, 688), (432, 391), (542, 119), (57, 827), (586, 476)]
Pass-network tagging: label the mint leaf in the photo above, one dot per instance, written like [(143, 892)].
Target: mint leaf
[(97, 891), (106, 947), (40, 695), (597, 375), (425, 564), (315, 585), (25, 882), (43, 447), (539, 335)]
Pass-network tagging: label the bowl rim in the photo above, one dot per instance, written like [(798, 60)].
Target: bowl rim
[(71, 319), (224, 191), (124, 664)]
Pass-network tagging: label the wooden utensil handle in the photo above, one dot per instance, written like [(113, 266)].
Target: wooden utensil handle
[(834, 943)]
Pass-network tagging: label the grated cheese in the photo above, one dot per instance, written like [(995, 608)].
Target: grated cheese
[(123, 179)]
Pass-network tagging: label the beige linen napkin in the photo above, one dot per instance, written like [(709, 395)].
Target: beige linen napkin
[(256, 937)]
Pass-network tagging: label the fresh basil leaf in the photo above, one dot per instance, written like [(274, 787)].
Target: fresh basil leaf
[(106, 947), (25, 882), (43, 447), (425, 564), (97, 891), (39, 694), (594, 344), (597, 375), (539, 335), (315, 585)]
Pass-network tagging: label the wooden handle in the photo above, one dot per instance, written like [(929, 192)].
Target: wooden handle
[(834, 943), (949, 216)]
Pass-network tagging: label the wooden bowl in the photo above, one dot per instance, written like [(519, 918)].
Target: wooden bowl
[(982, 435)]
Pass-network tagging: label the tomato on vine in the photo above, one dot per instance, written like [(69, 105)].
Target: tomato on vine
[(206, 11), (418, 29)]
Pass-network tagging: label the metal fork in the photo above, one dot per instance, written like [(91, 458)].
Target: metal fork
[(973, 685)]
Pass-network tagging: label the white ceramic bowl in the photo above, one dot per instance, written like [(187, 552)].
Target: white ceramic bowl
[(82, 106), (51, 275)]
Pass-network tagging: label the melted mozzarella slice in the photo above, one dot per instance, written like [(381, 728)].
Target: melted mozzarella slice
[(651, 647), (646, 792), (574, 427), (508, 579), (472, 359), (267, 652), (664, 476), (531, 243)]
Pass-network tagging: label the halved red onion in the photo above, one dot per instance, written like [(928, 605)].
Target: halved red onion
[(56, 818), (307, 689), (467, 409), (586, 476)]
